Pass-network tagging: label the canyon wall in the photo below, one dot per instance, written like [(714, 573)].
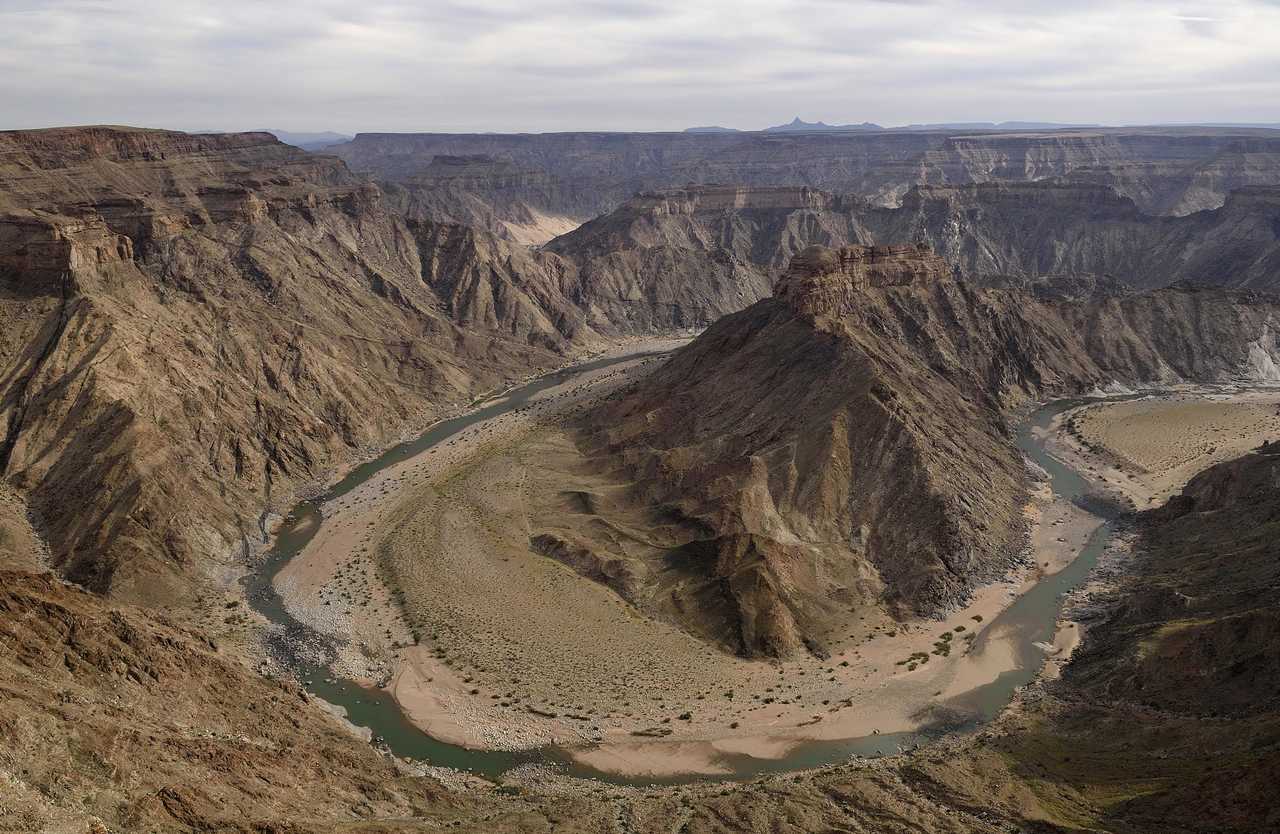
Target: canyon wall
[(194, 325), (1165, 171), (995, 233)]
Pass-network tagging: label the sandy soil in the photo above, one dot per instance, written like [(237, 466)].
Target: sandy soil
[(540, 227), (336, 585), (1149, 448)]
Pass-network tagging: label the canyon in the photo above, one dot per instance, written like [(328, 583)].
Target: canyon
[(1165, 171), (993, 233), (815, 473)]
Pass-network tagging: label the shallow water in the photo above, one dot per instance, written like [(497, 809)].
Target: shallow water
[(1031, 617)]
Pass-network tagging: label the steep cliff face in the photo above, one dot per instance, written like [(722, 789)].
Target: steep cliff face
[(194, 324), (686, 257), (758, 228), (991, 232), (1059, 228), (853, 426), (480, 191), (1164, 171)]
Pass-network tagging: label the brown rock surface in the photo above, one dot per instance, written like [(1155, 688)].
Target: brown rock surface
[(849, 434), (993, 233), (124, 715), (195, 324)]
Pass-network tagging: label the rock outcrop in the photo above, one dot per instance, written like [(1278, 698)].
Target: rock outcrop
[(1164, 722), (846, 440), (485, 193), (124, 716), (1197, 635)]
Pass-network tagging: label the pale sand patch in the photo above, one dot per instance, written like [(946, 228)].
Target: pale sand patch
[(439, 702), (1149, 448), (1065, 641), (658, 759), (760, 747), (1059, 531), (540, 227), (335, 585)]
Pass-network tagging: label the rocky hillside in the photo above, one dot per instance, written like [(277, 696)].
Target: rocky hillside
[(853, 426), (707, 250), (1171, 171), (1199, 635), (1063, 229), (990, 232), (127, 718), (485, 193), (1166, 720), (193, 325)]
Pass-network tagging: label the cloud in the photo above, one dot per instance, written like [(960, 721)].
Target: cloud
[(630, 64)]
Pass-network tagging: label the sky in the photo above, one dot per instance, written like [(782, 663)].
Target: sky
[(547, 65)]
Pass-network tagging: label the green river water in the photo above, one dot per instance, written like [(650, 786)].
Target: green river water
[(1032, 617)]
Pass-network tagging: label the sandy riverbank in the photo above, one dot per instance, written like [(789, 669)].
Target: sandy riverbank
[(1148, 448), (336, 585), (584, 664)]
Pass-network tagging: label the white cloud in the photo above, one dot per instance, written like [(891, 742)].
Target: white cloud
[(632, 64)]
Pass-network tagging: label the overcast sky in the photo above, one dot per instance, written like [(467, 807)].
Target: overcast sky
[(538, 65)]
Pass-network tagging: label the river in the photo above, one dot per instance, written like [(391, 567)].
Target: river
[(1031, 617)]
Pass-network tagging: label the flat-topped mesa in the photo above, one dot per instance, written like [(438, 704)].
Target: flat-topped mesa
[(693, 199), (179, 178), (60, 147), (823, 281)]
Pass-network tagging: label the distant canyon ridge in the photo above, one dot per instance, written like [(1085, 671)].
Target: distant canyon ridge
[(500, 181)]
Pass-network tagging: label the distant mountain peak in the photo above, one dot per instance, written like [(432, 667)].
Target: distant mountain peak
[(799, 125)]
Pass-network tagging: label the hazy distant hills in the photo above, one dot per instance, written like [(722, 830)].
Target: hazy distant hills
[(306, 141), (798, 125), (521, 179), (309, 141)]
